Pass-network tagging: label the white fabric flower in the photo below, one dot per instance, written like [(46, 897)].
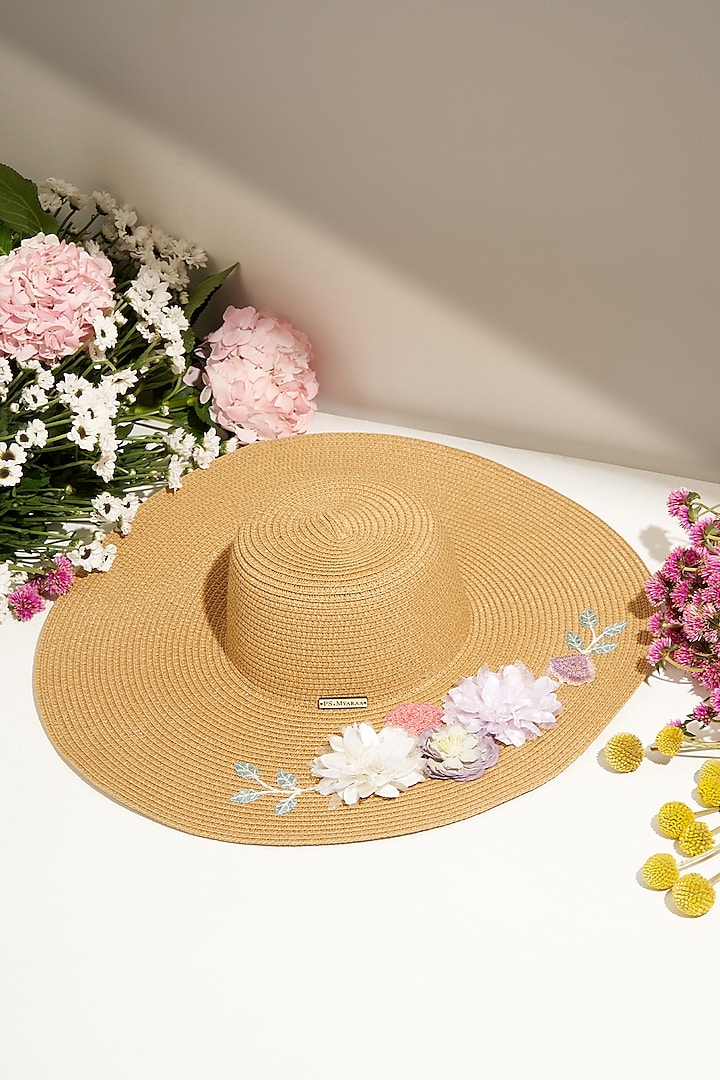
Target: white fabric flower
[(365, 762), (510, 704)]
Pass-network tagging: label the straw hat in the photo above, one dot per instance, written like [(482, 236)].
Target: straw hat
[(358, 571)]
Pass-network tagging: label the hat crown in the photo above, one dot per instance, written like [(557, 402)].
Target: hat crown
[(338, 587)]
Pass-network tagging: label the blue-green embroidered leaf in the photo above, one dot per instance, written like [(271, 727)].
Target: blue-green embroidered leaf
[(604, 647), (246, 796), (285, 805), (613, 630), (588, 618), (246, 771), (20, 207), (286, 779), (574, 641)]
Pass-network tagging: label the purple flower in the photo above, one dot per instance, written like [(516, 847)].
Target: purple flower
[(26, 602), (454, 753), (58, 579)]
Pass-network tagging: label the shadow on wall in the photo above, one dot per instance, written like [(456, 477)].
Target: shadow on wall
[(550, 169)]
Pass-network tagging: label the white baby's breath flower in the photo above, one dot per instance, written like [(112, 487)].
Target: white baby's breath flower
[(106, 332), (204, 455), (35, 434), (93, 556), (115, 512), (364, 762), (176, 468), (105, 203), (10, 473), (12, 454), (6, 579), (85, 430), (34, 397), (45, 379), (50, 201), (181, 442)]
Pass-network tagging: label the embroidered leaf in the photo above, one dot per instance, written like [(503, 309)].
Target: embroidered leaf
[(588, 618), (614, 630), (246, 771), (604, 647), (285, 805), (246, 796), (286, 779), (574, 641)]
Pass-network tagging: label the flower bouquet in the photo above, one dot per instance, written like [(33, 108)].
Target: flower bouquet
[(685, 630), (106, 391)]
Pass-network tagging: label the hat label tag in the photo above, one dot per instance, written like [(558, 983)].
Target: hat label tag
[(348, 702)]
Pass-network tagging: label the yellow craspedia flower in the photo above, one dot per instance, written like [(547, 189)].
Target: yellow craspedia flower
[(710, 768), (669, 740), (693, 895), (708, 790), (696, 839), (660, 872), (673, 819), (624, 752)]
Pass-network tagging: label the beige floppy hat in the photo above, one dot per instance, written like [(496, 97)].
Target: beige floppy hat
[(306, 584)]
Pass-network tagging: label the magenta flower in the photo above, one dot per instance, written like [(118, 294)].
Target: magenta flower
[(257, 377), (656, 589), (26, 602), (678, 502), (58, 579), (50, 293)]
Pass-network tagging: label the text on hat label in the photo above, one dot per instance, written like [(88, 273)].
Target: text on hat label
[(342, 703)]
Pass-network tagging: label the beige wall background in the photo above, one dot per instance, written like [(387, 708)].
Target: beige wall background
[(494, 219)]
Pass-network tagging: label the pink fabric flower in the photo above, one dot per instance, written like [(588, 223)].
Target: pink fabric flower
[(58, 579), (26, 602), (417, 720), (510, 704), (257, 376), (50, 293)]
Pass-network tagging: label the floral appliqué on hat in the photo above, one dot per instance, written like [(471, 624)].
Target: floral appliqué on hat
[(458, 740)]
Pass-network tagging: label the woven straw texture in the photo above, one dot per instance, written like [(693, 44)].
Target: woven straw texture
[(338, 564)]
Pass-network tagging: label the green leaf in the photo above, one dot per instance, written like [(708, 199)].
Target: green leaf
[(20, 208), (588, 618), (613, 630), (246, 796), (201, 294), (6, 241), (246, 770), (574, 641), (285, 805), (286, 779), (604, 647)]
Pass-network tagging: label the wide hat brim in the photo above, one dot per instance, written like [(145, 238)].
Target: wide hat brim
[(137, 693)]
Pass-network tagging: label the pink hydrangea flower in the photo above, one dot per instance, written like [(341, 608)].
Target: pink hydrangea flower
[(257, 376), (50, 293), (26, 602)]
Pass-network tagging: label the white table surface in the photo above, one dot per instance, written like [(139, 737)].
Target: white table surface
[(517, 943)]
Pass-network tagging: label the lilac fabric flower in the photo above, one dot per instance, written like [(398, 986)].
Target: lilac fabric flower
[(454, 753), (510, 704)]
